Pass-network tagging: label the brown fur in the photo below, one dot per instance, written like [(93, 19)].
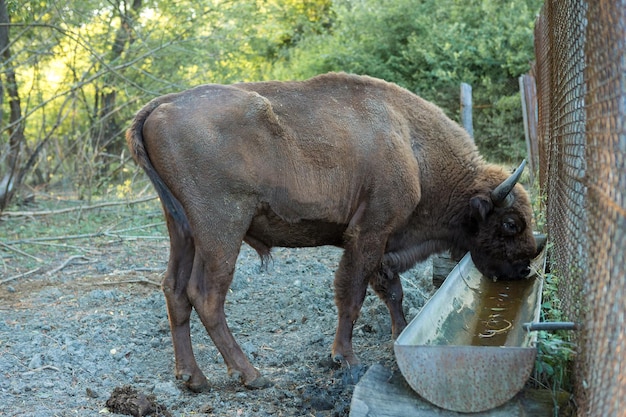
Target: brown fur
[(340, 159)]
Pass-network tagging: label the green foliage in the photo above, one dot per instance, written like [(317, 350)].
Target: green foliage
[(430, 47), (85, 67), (75, 229), (555, 350)]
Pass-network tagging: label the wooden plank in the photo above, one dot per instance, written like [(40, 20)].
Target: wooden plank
[(528, 94), (382, 393), (466, 108), (443, 264)]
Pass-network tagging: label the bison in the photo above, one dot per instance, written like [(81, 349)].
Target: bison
[(339, 159)]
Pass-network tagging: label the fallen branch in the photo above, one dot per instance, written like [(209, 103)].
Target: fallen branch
[(146, 269), (66, 263), (54, 245), (47, 239), (128, 229), (21, 252), (71, 209), (14, 277), (134, 237), (42, 368), (82, 236), (140, 280)]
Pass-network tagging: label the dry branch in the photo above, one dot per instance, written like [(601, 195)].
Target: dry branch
[(66, 263), (71, 209), (54, 245), (138, 280), (39, 240), (42, 368), (21, 252), (14, 277)]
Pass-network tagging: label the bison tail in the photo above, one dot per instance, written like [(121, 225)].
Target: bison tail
[(134, 139)]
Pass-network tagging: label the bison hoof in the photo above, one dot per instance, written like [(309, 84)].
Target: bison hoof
[(258, 383), (253, 381), (346, 361), (395, 333), (194, 384), (340, 360)]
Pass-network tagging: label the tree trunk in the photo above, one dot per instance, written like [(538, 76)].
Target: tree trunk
[(106, 135), (15, 128)]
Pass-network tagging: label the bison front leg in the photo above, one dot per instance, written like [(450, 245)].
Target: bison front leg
[(388, 287), (174, 287), (360, 258), (349, 300)]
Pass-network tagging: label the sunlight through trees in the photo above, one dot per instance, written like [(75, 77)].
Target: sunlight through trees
[(74, 72)]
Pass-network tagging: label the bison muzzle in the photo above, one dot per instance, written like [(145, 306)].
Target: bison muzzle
[(339, 159)]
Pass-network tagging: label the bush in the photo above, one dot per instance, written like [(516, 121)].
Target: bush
[(430, 47)]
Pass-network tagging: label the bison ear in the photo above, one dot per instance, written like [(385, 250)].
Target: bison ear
[(480, 207)]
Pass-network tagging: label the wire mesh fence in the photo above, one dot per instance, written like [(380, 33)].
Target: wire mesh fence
[(580, 73)]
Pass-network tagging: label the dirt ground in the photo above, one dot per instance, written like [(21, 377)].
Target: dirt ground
[(92, 320)]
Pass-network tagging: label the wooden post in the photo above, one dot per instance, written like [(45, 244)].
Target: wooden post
[(444, 263), (383, 392), (528, 93), (466, 108)]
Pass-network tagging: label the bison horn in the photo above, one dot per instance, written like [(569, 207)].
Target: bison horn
[(501, 196)]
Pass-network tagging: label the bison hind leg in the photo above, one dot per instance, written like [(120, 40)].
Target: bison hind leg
[(174, 286), (211, 277)]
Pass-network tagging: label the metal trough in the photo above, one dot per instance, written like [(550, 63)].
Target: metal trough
[(466, 350)]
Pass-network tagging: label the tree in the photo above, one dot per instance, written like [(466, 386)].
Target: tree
[(12, 176), (83, 67), (74, 72), (106, 128), (430, 47)]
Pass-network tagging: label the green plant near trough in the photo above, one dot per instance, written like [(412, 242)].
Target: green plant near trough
[(555, 349)]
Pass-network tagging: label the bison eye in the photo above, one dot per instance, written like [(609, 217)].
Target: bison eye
[(509, 227)]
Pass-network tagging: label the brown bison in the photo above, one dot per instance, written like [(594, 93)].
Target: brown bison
[(340, 159)]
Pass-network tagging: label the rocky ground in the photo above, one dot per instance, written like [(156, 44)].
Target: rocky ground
[(84, 326)]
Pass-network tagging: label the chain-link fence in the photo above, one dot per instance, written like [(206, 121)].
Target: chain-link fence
[(580, 72)]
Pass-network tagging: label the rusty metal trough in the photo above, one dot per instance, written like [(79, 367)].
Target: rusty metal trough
[(466, 350)]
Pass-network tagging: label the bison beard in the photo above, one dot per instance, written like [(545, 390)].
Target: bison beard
[(339, 159)]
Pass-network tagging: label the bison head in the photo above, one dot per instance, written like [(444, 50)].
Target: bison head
[(501, 238)]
